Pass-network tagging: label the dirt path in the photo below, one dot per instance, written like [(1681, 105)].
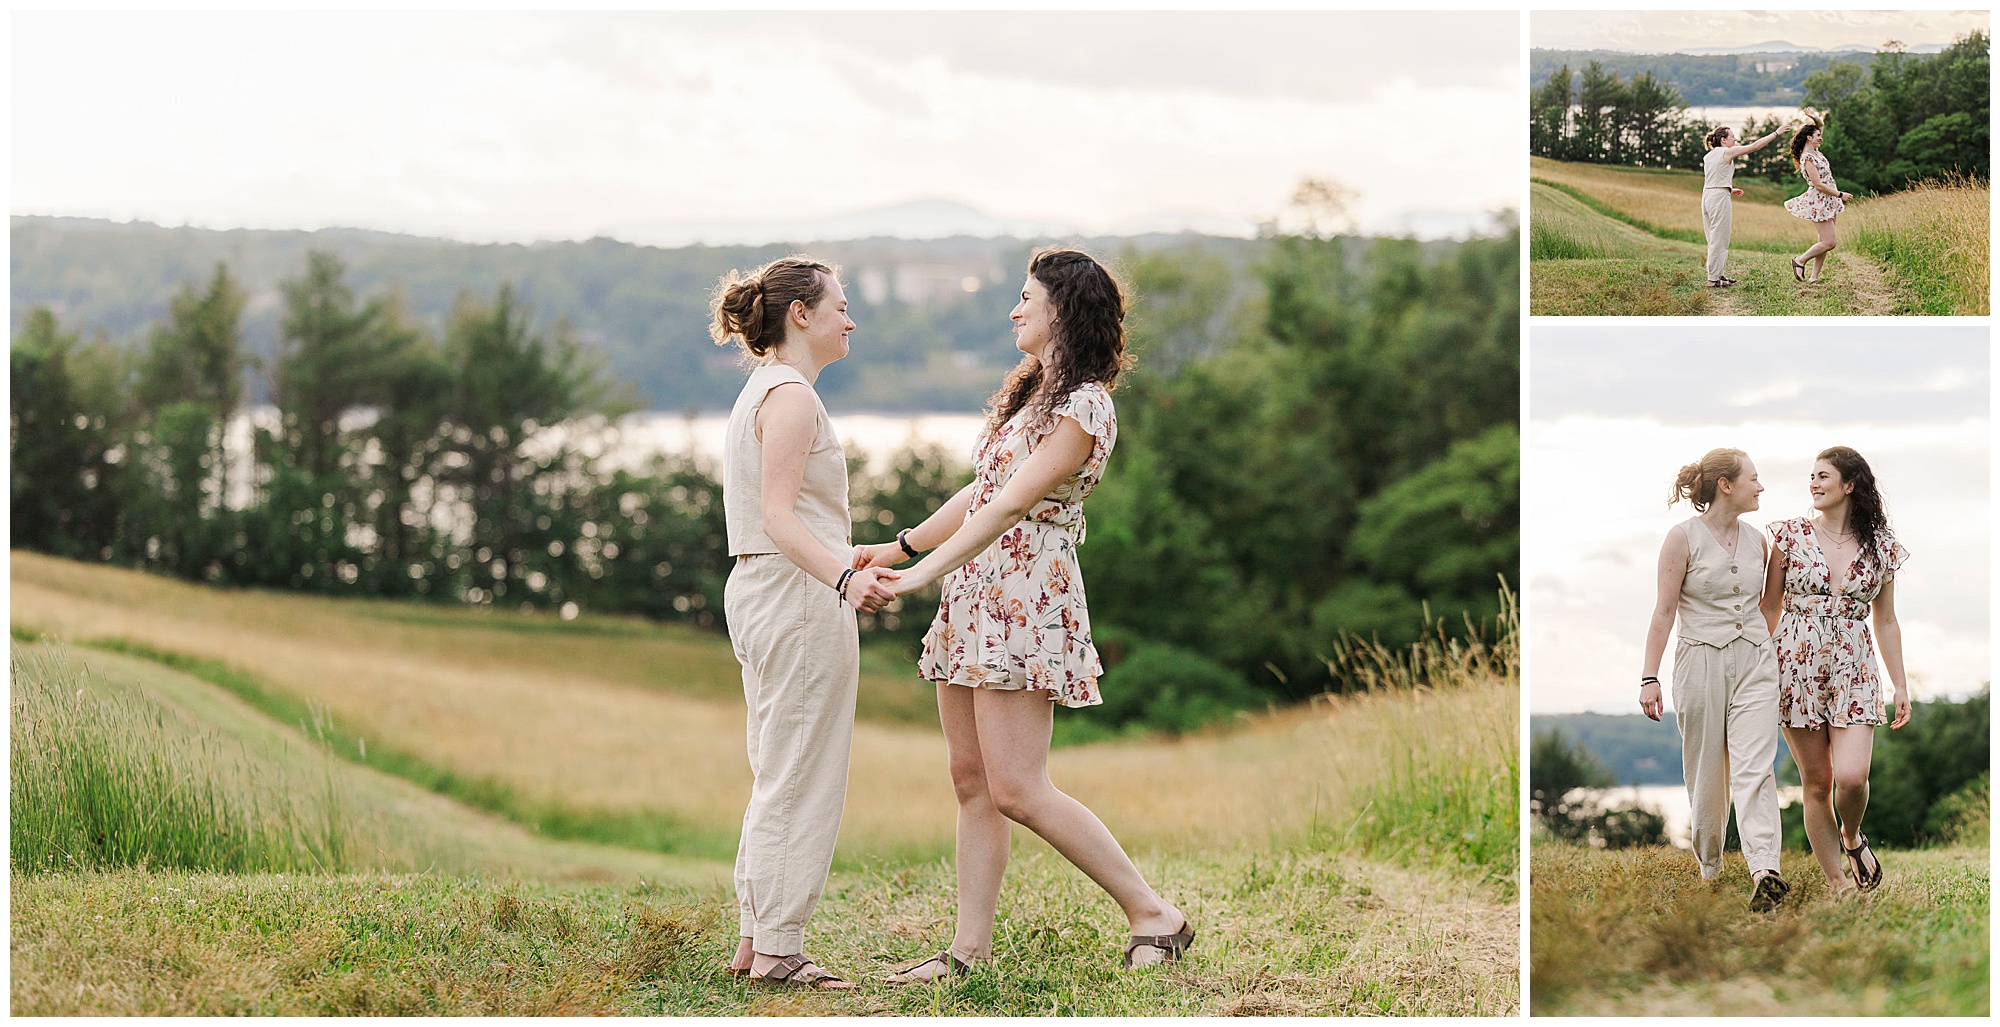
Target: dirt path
[(1866, 282)]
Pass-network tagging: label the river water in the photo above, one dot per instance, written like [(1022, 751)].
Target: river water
[(1669, 801), (636, 438)]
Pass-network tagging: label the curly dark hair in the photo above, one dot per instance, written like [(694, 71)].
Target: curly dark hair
[(1089, 337), (1799, 139), (751, 309), (1867, 515)]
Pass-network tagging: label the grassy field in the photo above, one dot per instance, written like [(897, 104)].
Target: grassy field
[(1637, 933), (1628, 241), (1351, 856)]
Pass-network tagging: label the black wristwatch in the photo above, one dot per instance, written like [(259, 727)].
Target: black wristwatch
[(903, 540)]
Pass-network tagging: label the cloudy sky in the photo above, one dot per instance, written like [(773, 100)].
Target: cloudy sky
[(527, 126), (1670, 31), (1615, 411)]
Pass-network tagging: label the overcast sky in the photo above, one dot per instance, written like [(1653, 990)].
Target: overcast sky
[(527, 126), (1670, 31), (1615, 412)]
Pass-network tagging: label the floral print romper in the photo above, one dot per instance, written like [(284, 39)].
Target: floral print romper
[(1812, 204), (1014, 616), (1826, 655)]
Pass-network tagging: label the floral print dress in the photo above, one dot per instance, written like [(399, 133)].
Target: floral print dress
[(1826, 655), (1014, 616), (1812, 204)]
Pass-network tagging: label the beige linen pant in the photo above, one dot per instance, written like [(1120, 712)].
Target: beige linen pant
[(801, 664), (1726, 702), (1715, 212)]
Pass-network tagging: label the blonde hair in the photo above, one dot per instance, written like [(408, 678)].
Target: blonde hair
[(751, 309), (1696, 482)]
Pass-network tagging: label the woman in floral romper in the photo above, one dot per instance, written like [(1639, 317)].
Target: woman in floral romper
[(1012, 636), (1831, 575), (1821, 203)]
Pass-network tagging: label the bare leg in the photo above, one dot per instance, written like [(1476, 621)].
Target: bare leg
[(1816, 253), (983, 838), (983, 833), (1851, 749), (1812, 751), (1014, 729)]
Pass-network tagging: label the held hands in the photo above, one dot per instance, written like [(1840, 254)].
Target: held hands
[(868, 590), (881, 554), (1902, 709), (1650, 702)]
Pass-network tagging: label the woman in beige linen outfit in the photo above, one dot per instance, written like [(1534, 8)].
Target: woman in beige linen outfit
[(1718, 184), (787, 602), (1711, 574), (1833, 573), (1012, 636)]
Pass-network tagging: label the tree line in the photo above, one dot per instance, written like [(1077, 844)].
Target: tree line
[(1895, 120), (1736, 80), (1328, 452), (1928, 780)]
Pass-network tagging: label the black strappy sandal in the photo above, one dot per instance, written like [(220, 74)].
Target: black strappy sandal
[(1771, 890), (1862, 879), (953, 967), (1798, 270), (1170, 945), (792, 972)]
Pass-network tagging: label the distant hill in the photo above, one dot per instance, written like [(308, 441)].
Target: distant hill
[(1634, 748), (933, 336), (1768, 75)]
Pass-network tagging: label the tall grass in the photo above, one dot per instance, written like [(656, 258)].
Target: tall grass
[(1432, 737), (1549, 242), (106, 778), (1936, 236), (1666, 202), (1636, 932)]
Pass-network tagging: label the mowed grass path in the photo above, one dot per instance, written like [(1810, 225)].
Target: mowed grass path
[(1301, 842), (556, 722), (1637, 933), (1628, 241)]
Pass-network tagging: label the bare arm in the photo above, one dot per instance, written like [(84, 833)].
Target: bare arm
[(928, 535), (1889, 639), (1058, 457), (1734, 152), (1772, 603), (786, 422), (1812, 176), (1666, 603)]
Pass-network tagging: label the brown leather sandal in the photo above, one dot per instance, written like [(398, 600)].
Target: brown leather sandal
[(1170, 945), (793, 972), (1862, 878), (953, 967)]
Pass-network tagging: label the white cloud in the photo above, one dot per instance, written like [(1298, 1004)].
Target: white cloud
[(512, 126)]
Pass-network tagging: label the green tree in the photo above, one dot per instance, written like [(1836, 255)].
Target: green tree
[(61, 488)]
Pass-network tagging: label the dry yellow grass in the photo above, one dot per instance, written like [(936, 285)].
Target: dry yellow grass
[(1938, 237), (579, 733), (1670, 199)]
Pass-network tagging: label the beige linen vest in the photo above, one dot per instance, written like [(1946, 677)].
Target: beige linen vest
[(822, 503), (1719, 593), (1717, 171)]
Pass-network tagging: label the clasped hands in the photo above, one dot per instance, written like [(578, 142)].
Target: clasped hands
[(875, 583)]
